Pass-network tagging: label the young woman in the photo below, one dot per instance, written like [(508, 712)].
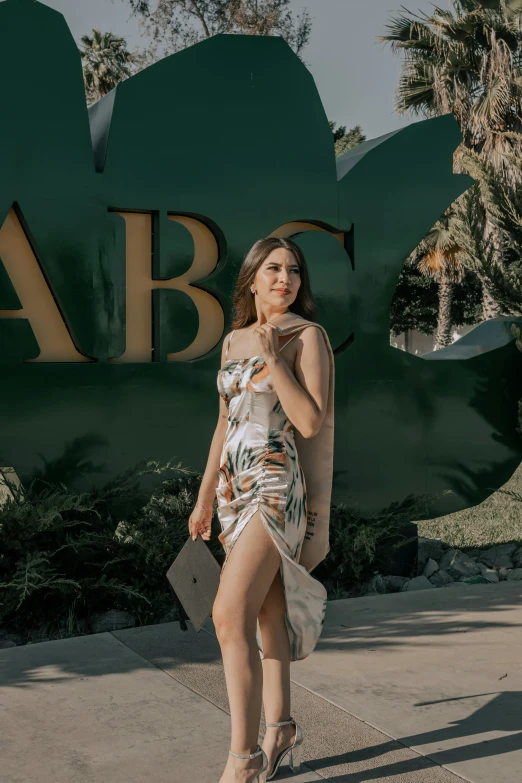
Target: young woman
[(276, 390)]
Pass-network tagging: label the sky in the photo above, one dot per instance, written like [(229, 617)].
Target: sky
[(356, 76)]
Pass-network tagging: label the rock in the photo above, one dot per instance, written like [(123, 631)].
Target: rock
[(394, 583), (429, 548), (478, 579), (499, 556), (515, 575), (441, 578), (430, 568), (375, 585), (112, 620), (172, 614), (488, 573), (13, 637), (457, 564), (6, 644), (7, 636), (474, 553), (418, 583), (503, 573), (517, 557), (503, 562)]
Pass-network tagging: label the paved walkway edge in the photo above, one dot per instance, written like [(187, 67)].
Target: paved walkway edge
[(384, 731)]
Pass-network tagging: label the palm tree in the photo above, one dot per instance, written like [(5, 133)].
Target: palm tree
[(498, 202), (439, 257), (467, 61), (106, 62)]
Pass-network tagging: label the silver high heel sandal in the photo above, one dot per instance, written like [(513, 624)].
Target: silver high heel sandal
[(295, 749), (261, 775)]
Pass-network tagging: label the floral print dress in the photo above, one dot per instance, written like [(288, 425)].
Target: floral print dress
[(260, 472)]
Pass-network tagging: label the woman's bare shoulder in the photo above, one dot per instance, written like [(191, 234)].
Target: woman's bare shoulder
[(311, 336)]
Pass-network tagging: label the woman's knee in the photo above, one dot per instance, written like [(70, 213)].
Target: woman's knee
[(220, 613), (231, 620), (245, 579)]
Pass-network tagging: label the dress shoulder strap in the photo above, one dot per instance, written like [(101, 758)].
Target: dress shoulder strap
[(229, 341)]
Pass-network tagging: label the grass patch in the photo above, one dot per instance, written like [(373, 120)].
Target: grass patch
[(497, 520)]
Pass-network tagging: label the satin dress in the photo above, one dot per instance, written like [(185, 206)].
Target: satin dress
[(260, 472)]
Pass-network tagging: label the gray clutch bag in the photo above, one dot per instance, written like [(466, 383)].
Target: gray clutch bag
[(194, 576)]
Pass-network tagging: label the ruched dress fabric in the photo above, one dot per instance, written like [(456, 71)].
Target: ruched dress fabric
[(260, 471)]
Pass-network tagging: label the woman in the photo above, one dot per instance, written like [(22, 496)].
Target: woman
[(276, 390)]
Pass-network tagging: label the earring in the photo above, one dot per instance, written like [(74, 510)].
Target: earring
[(252, 291)]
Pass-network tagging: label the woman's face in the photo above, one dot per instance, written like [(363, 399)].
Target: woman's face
[(278, 279)]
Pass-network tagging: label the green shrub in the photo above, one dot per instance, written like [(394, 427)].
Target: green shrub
[(361, 545), (64, 556)]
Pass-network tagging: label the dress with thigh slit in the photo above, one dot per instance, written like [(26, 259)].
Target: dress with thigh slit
[(260, 472)]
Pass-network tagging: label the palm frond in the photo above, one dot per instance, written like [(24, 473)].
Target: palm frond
[(416, 89), (412, 33), (106, 62), (488, 226)]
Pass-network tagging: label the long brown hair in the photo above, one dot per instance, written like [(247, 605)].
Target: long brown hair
[(243, 301)]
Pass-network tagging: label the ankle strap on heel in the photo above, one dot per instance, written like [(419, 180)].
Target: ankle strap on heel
[(281, 723), (247, 755)]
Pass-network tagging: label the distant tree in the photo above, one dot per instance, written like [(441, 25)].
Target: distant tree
[(346, 140), (415, 304), (175, 24), (466, 59), (106, 62), (488, 226), (439, 257)]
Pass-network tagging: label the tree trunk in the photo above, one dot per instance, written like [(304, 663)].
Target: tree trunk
[(444, 326), (407, 340), (490, 307)]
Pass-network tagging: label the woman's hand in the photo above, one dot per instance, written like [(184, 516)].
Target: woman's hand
[(267, 339), (200, 521)]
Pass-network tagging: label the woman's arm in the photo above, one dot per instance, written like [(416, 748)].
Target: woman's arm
[(209, 482), (304, 397)]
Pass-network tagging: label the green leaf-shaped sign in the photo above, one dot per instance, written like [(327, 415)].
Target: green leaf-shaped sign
[(123, 228)]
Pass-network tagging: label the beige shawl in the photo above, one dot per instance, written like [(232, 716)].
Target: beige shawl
[(316, 458)]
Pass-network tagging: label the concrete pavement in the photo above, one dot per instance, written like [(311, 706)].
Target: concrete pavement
[(397, 686), (438, 670)]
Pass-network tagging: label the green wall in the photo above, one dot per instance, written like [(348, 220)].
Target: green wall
[(230, 132)]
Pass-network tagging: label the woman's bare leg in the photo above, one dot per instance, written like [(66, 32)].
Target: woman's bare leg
[(276, 671), (245, 581)]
